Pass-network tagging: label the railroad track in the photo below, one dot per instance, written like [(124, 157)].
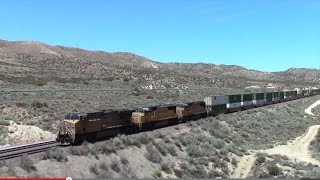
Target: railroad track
[(20, 150)]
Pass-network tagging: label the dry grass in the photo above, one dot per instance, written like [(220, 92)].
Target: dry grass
[(57, 154)]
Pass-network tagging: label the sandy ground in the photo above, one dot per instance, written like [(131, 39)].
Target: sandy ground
[(244, 167), (295, 150), (22, 134)]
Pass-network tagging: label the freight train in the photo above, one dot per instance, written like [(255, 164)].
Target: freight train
[(78, 127)]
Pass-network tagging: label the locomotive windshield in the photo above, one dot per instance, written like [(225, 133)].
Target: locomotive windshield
[(142, 110), (72, 116)]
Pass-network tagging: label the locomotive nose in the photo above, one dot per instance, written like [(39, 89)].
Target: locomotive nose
[(64, 137)]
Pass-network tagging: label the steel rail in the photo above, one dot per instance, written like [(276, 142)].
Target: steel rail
[(26, 149)]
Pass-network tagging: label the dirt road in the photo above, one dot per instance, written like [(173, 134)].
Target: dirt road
[(295, 150), (309, 109), (298, 149)]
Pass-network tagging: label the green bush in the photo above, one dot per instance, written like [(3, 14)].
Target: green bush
[(94, 168), (152, 154), (234, 162), (8, 118), (128, 172), (273, 170), (107, 148), (178, 172), (27, 164), (166, 140), (3, 130), (260, 159), (118, 143), (103, 166), (165, 166), (124, 160), (105, 174), (144, 139), (314, 173), (4, 122), (115, 165), (21, 104), (79, 150), (214, 173), (94, 150), (37, 104), (157, 174), (161, 147), (57, 154), (172, 150), (261, 174), (2, 163), (194, 151), (197, 171)]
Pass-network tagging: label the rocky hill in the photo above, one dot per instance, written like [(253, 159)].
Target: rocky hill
[(59, 64)]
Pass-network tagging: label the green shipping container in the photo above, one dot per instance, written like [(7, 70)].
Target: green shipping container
[(269, 97), (235, 98), (288, 93), (281, 95), (247, 97), (276, 94), (258, 96)]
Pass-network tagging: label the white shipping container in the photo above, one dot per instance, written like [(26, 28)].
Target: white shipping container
[(216, 100), (299, 91), (259, 102), (233, 105), (247, 103)]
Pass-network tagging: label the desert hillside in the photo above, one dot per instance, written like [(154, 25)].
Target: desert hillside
[(40, 83)]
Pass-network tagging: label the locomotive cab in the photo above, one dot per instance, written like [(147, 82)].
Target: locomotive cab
[(66, 134), (138, 116)]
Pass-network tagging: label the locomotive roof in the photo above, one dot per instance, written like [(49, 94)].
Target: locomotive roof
[(190, 103), (101, 111)]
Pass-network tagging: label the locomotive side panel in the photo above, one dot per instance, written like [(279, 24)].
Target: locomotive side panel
[(191, 110), (153, 114), (94, 122)]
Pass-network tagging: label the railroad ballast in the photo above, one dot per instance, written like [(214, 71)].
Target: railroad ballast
[(77, 127)]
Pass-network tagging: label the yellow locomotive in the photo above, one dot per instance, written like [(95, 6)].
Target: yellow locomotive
[(154, 116), (77, 127)]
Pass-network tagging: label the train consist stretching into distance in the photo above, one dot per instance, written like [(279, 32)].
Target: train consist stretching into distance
[(77, 127)]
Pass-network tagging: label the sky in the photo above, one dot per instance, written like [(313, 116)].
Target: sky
[(266, 35)]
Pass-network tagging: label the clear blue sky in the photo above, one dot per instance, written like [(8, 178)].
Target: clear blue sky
[(268, 35)]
